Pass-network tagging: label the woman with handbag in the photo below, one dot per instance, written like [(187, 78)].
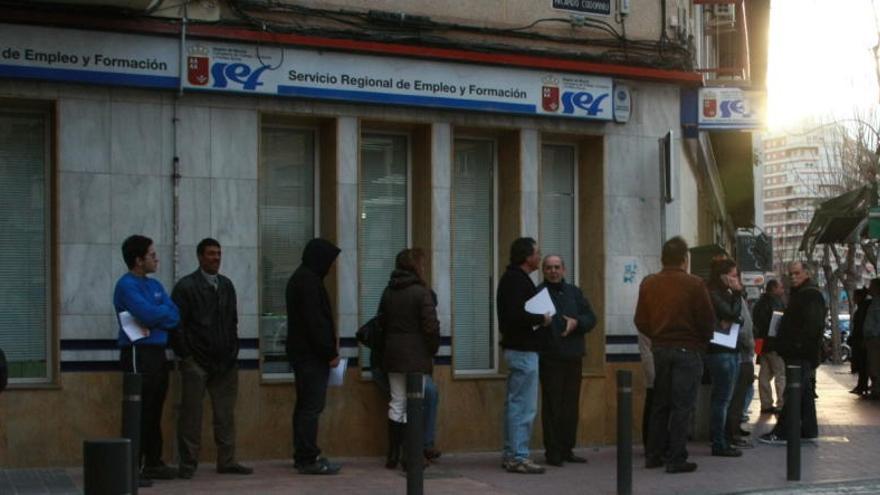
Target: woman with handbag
[(408, 318)]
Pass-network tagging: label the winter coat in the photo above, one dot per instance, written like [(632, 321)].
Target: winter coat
[(802, 325), (409, 319), (762, 313), (311, 334), (517, 324), (569, 301), (208, 328), (728, 308), (674, 310)]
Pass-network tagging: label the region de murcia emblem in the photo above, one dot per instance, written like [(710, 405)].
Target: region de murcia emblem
[(197, 70), (550, 94)]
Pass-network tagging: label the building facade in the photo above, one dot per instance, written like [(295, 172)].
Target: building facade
[(275, 126)]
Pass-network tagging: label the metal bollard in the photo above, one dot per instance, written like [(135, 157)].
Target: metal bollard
[(107, 467), (793, 391), (131, 422), (415, 419), (624, 432)]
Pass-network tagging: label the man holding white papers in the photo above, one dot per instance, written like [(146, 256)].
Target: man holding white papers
[(560, 363), (722, 360), (207, 344), (772, 365), (146, 301), (798, 342), (523, 335), (675, 312)]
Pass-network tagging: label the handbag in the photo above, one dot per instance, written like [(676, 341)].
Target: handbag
[(371, 334)]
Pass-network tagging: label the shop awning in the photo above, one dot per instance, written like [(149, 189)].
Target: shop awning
[(840, 219)]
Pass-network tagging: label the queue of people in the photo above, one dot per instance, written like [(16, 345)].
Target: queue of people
[(681, 320)]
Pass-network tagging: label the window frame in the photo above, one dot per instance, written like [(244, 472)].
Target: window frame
[(316, 229), (362, 312), (46, 110), (495, 370), (572, 267)]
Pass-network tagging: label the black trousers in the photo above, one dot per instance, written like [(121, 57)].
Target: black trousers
[(311, 395), (678, 372), (560, 397), (738, 401), (809, 423), (152, 366)]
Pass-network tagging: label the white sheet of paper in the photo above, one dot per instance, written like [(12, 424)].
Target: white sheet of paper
[(132, 327), (541, 303), (727, 339), (775, 320), (337, 374)]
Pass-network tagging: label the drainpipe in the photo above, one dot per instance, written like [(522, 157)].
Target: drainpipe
[(175, 163)]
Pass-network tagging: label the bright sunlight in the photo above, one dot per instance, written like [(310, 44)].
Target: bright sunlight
[(821, 60)]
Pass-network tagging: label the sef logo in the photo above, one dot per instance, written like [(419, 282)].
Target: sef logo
[(238, 73), (574, 101)]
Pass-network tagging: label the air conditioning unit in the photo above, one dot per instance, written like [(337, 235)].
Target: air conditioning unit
[(724, 14)]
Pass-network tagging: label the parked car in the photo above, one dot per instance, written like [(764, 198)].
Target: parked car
[(845, 351)]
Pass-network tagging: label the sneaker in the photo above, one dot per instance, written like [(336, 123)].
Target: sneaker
[(235, 468), (523, 466), (159, 472), (728, 452), (684, 467), (320, 466), (771, 439)]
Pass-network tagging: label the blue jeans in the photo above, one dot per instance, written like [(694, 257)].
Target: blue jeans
[(521, 403), (723, 370)]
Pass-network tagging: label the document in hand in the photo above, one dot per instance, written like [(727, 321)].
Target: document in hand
[(726, 338), (541, 304), (775, 320), (337, 374), (132, 328)]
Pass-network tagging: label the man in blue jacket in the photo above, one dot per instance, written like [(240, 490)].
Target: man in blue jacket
[(560, 363), (146, 301)]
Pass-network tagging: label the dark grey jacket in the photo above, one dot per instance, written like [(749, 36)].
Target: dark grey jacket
[(409, 318), (208, 328), (569, 301)]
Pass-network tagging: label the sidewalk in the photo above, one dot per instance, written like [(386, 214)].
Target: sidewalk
[(845, 459)]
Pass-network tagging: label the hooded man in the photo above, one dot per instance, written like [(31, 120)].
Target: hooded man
[(312, 349)]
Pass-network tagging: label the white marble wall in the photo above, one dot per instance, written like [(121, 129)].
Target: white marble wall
[(115, 154), (347, 132), (633, 213), (441, 208)]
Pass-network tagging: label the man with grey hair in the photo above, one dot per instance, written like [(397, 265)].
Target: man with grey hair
[(559, 364), (799, 341)]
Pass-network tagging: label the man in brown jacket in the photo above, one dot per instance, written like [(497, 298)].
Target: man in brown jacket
[(675, 312)]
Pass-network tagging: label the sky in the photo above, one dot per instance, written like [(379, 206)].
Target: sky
[(821, 63)]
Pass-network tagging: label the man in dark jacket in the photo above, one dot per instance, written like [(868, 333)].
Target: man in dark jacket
[(521, 338), (312, 350), (772, 365), (207, 344), (675, 312), (799, 343), (560, 363)]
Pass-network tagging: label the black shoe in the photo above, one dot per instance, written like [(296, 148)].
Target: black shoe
[(159, 472), (575, 459), (728, 452), (684, 467), (144, 482), (553, 461), (744, 433), (235, 468), (769, 410), (320, 466), (653, 463), (431, 453), (185, 473)]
